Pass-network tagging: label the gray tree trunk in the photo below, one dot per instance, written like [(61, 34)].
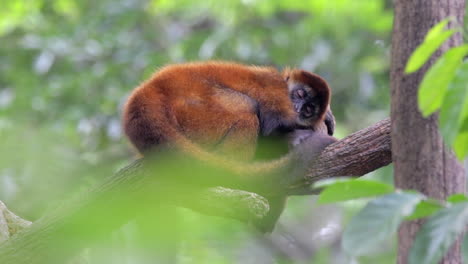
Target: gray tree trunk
[(421, 161)]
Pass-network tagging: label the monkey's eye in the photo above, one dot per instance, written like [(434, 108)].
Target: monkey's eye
[(307, 111), (300, 93)]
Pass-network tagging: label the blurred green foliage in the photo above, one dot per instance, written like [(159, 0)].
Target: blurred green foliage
[(379, 220), (66, 67)]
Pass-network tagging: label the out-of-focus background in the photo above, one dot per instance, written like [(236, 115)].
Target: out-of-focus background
[(67, 66)]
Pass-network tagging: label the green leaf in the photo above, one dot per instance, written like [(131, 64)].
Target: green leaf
[(353, 189), (465, 249), (464, 114), (464, 126), (424, 209), (434, 38), (434, 84), (438, 233), (455, 101), (378, 221), (457, 198), (327, 182), (460, 145), (436, 30), (66, 7)]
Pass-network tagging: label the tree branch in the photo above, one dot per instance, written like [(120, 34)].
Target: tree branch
[(10, 223), (135, 189), (356, 155)]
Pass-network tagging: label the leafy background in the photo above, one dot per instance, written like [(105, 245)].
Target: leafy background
[(66, 67)]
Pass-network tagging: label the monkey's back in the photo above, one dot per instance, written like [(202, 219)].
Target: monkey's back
[(203, 101)]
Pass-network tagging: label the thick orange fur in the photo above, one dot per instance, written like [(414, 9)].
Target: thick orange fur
[(211, 108), (217, 105)]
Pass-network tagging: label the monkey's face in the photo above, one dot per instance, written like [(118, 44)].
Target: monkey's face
[(310, 96), (306, 103)]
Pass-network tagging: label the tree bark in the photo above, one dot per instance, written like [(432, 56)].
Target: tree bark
[(357, 154), (140, 187), (421, 161)]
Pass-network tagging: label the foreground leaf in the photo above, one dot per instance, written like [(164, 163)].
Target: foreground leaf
[(328, 182), (464, 127), (457, 198), (465, 249), (434, 38), (434, 85), (453, 107), (438, 234), (460, 145), (377, 222), (353, 189), (424, 209)]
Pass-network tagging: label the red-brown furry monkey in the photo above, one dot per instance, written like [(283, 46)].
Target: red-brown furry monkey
[(215, 111)]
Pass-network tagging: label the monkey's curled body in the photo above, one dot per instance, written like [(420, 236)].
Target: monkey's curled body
[(215, 111)]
